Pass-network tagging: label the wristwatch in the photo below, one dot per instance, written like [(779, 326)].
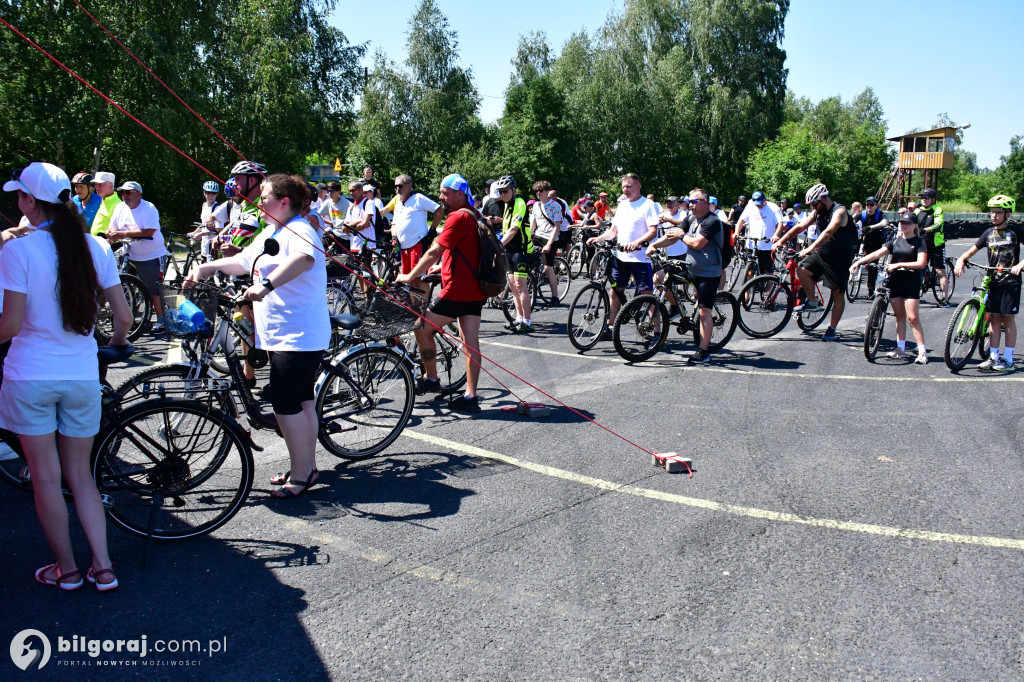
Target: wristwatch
[(267, 284)]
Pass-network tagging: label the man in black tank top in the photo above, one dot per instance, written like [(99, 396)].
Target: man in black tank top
[(828, 258)]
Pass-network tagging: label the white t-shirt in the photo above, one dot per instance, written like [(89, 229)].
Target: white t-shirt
[(334, 213), (761, 224), (224, 214), (546, 217), (633, 219), (292, 317), (410, 223), (679, 248), (143, 217), (43, 350), (356, 213)]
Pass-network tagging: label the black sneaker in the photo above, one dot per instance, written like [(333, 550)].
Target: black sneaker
[(464, 404), (700, 357), (427, 385), (829, 335), (250, 383)]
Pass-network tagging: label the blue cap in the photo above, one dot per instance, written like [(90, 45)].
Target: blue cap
[(713, 200), (757, 196), (459, 184)]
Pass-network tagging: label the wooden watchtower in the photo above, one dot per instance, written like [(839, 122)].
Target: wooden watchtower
[(929, 151)]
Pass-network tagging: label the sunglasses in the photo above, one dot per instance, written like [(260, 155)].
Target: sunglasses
[(870, 204), (400, 186), (16, 177), (507, 190)]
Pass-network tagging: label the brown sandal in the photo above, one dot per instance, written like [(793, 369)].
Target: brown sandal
[(93, 577), (67, 581)]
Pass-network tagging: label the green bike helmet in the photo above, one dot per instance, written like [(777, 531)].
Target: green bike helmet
[(1003, 201)]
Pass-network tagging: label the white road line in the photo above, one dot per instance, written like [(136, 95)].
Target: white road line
[(711, 505)]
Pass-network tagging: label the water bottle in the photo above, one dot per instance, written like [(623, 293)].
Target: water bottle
[(243, 323), (190, 311)]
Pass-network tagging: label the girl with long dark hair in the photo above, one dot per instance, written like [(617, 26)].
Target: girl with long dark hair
[(52, 279)]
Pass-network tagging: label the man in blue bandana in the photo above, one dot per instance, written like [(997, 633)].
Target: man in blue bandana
[(458, 248)]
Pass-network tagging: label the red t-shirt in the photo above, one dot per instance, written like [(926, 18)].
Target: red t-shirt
[(602, 208), (575, 213), (461, 244)]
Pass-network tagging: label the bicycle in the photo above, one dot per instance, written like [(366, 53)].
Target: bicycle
[(641, 327), (166, 469), (174, 270), (139, 302), (766, 302), (930, 281), (874, 328), (539, 286), (969, 328), (588, 313), (579, 254)]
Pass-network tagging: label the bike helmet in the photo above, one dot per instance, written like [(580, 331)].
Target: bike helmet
[(929, 193), (81, 179), (229, 187), (248, 168), (211, 186), (1003, 201), (504, 182), (816, 193)]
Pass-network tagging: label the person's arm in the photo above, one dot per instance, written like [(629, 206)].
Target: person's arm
[(662, 242), (14, 314), (828, 232), (289, 269), (695, 241), (232, 265), (869, 258), (439, 216), (652, 232), (114, 295), (608, 235)]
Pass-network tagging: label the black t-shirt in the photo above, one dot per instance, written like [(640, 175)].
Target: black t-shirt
[(905, 251), (493, 208), (1003, 248)]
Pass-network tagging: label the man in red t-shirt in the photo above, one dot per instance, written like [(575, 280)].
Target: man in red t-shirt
[(458, 248), (602, 205)]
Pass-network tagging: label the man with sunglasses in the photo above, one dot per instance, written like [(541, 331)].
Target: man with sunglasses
[(873, 224), (103, 185), (828, 258), (409, 227), (138, 220)]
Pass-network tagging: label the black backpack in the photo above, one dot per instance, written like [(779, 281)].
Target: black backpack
[(492, 270)]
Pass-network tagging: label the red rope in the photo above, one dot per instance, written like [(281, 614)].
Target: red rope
[(4, 215), (158, 80), (472, 352)]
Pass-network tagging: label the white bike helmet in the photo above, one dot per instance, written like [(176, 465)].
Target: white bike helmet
[(211, 186), (816, 193), (248, 168)]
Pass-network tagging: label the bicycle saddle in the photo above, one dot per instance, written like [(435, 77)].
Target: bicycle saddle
[(108, 355), (345, 321)]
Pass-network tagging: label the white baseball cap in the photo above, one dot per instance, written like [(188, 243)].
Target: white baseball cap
[(44, 181), (103, 176), (130, 185)]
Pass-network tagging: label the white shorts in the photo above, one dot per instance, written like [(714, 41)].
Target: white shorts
[(36, 408)]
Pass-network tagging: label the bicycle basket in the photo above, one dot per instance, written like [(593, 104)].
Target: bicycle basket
[(386, 318), (189, 313)]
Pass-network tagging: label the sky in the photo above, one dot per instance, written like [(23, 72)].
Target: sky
[(921, 58)]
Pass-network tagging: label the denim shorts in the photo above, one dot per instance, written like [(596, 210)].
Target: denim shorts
[(36, 408)]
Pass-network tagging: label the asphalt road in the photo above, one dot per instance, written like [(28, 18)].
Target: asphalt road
[(844, 520)]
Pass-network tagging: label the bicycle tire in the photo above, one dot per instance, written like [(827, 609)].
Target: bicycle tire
[(588, 314), (724, 317), (130, 391), (765, 307), (641, 328), (811, 320), (576, 258), (599, 264), (960, 336), (356, 425), (173, 469), (562, 280), (140, 303), (451, 366), (854, 283), (950, 284), (875, 327)]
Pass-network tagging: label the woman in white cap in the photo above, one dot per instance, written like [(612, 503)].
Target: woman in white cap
[(51, 279)]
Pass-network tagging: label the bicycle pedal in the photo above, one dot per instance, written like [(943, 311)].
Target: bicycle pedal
[(671, 462)]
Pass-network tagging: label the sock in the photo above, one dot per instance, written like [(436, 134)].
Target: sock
[(902, 344), (921, 350), (1008, 354), (994, 354), (526, 321), (520, 319)]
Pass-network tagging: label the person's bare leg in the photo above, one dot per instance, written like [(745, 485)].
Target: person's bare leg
[(299, 431), (914, 317), (900, 311), (469, 332), (44, 467), (838, 306), (74, 457)]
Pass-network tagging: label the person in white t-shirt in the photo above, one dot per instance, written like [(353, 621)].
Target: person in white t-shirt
[(137, 219), (334, 209), (210, 191), (673, 215), (292, 321), (409, 227), (634, 226), (547, 224), (319, 197), (359, 224), (51, 392), (758, 222)]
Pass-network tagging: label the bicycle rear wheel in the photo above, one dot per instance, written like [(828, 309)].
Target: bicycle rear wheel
[(854, 283), (562, 278), (950, 285), (576, 258), (641, 328), (961, 335), (140, 303), (810, 320), (364, 403), (173, 469), (451, 365), (765, 306), (587, 316), (723, 322), (875, 327)]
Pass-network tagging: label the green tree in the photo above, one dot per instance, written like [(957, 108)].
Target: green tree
[(1009, 177)]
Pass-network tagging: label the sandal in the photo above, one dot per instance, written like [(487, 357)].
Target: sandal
[(67, 582), (92, 576), (284, 492), (281, 479)]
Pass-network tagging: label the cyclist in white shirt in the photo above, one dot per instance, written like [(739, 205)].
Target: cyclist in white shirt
[(409, 227), (758, 222), (137, 219), (673, 215), (210, 191), (547, 223)]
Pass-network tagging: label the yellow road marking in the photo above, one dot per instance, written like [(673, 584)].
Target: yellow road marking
[(756, 372), (711, 505)]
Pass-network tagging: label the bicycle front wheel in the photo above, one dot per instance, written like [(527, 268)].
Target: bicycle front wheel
[(364, 402), (723, 322), (641, 328), (765, 306), (176, 378), (853, 284), (810, 320), (173, 469), (962, 334), (587, 316), (576, 259), (875, 327)]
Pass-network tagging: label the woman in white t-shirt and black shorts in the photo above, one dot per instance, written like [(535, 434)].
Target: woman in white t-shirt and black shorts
[(51, 279), (292, 321)]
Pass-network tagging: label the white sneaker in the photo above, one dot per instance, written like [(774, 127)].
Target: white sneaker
[(6, 453), (990, 363), (896, 354), (922, 359)]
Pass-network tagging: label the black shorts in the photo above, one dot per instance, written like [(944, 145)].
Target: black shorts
[(765, 262), (1004, 297), (707, 290), (365, 256), (905, 285), (292, 376), (151, 272), (538, 250), (456, 309), (520, 263), (937, 257), (831, 272)]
